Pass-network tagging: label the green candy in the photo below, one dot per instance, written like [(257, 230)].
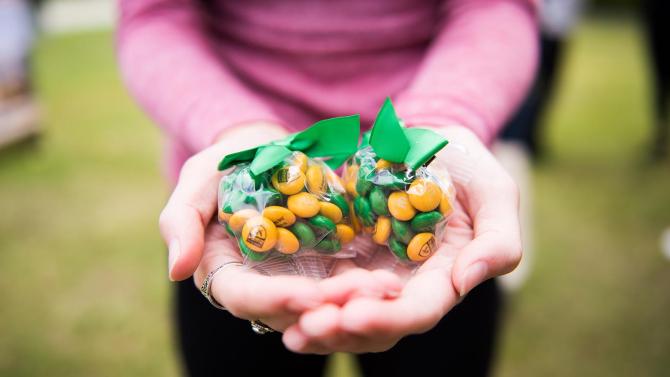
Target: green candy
[(323, 223), (237, 200), (252, 255), (270, 197), (304, 233), (363, 210), (363, 184), (340, 202), (329, 245), (402, 231), (378, 202), (425, 222), (398, 248)]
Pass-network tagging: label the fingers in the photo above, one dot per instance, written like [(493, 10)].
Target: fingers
[(496, 247), (427, 297), (357, 282), (250, 295), (183, 220), (367, 324)]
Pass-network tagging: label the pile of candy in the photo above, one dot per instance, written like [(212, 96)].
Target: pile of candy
[(402, 209), (298, 205), (284, 197)]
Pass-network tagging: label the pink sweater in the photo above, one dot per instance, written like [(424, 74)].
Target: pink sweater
[(198, 67)]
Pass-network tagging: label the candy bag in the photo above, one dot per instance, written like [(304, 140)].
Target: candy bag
[(400, 201), (283, 203)]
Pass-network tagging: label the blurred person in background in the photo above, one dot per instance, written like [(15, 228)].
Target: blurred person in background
[(221, 76), (521, 140), (656, 17), (18, 110)]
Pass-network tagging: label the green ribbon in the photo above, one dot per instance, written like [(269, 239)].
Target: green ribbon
[(335, 138), (393, 142)]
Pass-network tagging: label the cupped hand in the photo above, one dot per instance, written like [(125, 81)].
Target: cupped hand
[(482, 240), (197, 246)]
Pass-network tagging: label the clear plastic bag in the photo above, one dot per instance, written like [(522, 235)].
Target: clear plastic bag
[(292, 219), (403, 210)]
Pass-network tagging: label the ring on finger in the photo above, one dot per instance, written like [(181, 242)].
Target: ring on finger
[(206, 287), (261, 328)]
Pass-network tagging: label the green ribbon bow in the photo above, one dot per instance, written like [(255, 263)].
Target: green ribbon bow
[(335, 138), (393, 142)]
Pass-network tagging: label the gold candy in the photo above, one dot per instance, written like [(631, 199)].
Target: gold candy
[(382, 230), (424, 195), (331, 211), (280, 216), (316, 182), (445, 206), (287, 242), (223, 216), (259, 234), (289, 180), (345, 233), (300, 160), (354, 219), (421, 247), (383, 164), (237, 219), (303, 204), (400, 207), (350, 178)]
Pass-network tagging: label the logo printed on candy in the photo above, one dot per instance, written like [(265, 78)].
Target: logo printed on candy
[(257, 236)]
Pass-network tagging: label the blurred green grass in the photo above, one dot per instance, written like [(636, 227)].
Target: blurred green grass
[(82, 269)]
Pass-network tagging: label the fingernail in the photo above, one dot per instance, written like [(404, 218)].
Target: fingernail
[(474, 275), (173, 254), (294, 341)]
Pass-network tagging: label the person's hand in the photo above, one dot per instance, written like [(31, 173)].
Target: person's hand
[(197, 246), (482, 240)]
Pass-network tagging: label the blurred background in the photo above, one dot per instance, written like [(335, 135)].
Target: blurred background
[(83, 282)]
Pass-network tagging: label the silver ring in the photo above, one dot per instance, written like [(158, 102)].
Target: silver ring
[(261, 328), (206, 287)]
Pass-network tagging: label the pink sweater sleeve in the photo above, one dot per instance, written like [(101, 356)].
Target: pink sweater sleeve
[(478, 68), (159, 43)]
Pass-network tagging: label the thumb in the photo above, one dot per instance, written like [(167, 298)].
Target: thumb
[(183, 220)]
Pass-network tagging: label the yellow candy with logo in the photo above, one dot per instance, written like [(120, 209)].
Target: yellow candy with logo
[(287, 242), (237, 219), (445, 206), (280, 216), (424, 195), (345, 233), (382, 230), (421, 247), (331, 211), (289, 180), (316, 181), (259, 234), (303, 204), (400, 207), (300, 160)]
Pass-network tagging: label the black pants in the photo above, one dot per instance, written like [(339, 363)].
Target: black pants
[(214, 343)]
